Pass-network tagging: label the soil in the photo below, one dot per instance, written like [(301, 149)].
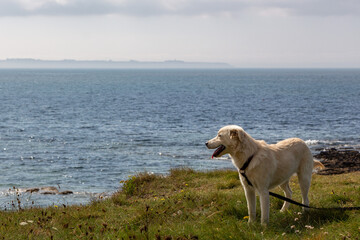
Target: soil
[(338, 161)]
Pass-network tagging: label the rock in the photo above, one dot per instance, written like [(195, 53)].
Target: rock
[(31, 190), (48, 191), (337, 161), (67, 192)]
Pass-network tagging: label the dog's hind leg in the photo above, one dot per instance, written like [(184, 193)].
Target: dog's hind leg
[(304, 174), (288, 193), (304, 182)]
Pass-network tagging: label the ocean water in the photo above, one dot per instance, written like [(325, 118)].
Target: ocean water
[(86, 130)]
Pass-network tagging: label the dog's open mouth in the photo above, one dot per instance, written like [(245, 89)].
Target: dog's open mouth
[(218, 151)]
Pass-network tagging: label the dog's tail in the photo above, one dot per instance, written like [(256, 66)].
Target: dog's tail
[(318, 164)]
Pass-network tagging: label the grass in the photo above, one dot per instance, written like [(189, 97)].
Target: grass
[(191, 205)]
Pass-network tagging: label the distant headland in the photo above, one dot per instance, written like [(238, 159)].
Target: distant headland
[(29, 63)]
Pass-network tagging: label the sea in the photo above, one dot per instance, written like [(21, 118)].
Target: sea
[(86, 130)]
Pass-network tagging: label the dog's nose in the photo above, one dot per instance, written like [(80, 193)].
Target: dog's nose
[(206, 144)]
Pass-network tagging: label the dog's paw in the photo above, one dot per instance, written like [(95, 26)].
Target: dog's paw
[(264, 224)]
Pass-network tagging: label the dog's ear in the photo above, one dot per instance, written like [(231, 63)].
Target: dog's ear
[(236, 134)]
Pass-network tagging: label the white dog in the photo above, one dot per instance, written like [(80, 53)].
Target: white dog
[(267, 166)]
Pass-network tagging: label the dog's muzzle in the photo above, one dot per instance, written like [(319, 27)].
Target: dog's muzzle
[(218, 151)]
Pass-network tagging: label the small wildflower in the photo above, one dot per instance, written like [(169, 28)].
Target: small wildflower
[(296, 219), (292, 227), (186, 184), (181, 190), (283, 234), (246, 217), (163, 199), (326, 233), (299, 213), (309, 227), (23, 223), (30, 221), (55, 206), (297, 231)]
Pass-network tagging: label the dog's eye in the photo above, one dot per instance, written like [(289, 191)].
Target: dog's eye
[(220, 135)]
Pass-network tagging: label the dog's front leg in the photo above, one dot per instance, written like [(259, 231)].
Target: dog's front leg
[(265, 206), (251, 202)]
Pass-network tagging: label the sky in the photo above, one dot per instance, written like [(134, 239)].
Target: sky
[(243, 33)]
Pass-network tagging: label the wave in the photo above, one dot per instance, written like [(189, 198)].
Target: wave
[(18, 191), (321, 144), (15, 197), (311, 142)]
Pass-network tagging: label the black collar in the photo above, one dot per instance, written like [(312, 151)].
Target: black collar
[(243, 168)]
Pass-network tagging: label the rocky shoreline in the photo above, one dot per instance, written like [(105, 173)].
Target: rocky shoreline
[(338, 161)]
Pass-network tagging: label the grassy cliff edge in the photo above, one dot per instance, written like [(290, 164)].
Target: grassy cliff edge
[(188, 204)]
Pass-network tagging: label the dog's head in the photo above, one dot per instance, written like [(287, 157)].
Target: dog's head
[(226, 141)]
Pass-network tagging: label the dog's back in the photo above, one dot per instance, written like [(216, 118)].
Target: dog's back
[(292, 156), (293, 149)]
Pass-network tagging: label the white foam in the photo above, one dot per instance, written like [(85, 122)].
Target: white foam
[(311, 142), (224, 157)]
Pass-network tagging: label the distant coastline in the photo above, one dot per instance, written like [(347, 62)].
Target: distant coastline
[(29, 63)]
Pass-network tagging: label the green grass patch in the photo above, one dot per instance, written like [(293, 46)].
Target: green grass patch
[(192, 205)]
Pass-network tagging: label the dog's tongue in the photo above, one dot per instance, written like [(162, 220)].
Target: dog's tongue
[(218, 151)]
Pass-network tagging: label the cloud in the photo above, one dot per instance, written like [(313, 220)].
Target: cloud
[(179, 7), (323, 7)]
